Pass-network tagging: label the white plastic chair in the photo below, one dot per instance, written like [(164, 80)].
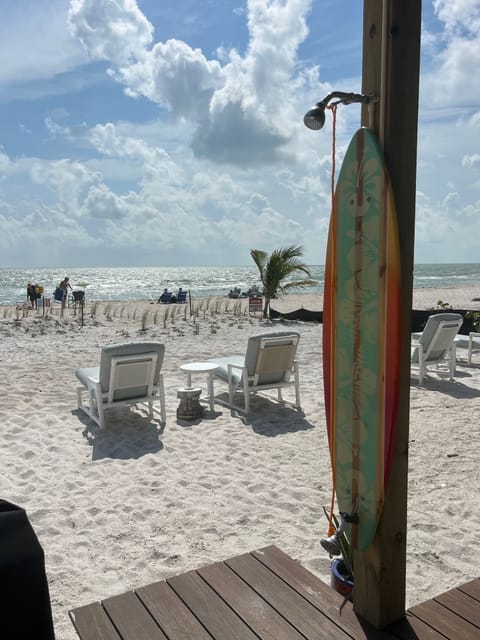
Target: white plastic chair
[(435, 346), (473, 344), (128, 374), (269, 363)]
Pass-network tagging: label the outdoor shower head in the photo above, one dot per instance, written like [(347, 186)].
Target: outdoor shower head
[(315, 117)]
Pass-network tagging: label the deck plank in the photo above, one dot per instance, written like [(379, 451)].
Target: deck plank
[(471, 588), (131, 618), (265, 595), (299, 612), (462, 604), (319, 594), (445, 621), (214, 614), (92, 623), (254, 610), (170, 613)]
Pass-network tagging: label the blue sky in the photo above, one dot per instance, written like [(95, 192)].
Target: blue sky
[(159, 132)]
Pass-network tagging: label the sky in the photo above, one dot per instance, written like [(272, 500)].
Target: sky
[(170, 132)]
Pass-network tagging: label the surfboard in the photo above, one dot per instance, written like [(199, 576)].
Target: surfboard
[(361, 334)]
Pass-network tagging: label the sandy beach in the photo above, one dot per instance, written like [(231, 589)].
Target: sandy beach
[(137, 503)]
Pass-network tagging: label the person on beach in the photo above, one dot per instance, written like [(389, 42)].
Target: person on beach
[(64, 285), (31, 295)]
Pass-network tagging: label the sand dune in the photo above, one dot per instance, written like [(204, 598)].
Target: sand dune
[(138, 503)]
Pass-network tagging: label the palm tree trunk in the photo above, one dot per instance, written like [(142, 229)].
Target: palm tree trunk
[(265, 307)]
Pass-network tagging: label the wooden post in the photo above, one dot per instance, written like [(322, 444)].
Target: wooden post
[(391, 59)]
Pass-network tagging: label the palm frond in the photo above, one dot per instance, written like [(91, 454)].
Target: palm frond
[(297, 284), (259, 257)]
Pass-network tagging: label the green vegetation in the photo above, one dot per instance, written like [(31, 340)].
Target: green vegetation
[(276, 268)]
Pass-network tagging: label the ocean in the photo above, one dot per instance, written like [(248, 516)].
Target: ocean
[(147, 283)]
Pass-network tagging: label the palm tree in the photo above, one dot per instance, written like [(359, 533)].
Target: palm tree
[(278, 266)]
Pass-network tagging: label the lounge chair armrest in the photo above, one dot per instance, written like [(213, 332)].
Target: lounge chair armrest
[(230, 368), (232, 365), (474, 334)]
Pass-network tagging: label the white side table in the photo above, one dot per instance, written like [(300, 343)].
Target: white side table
[(201, 367)]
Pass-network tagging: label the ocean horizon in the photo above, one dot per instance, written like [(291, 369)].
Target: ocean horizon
[(147, 283)]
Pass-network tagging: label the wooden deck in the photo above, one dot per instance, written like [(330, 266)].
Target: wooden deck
[(264, 595)]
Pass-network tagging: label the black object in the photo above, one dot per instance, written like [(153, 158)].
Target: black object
[(419, 317), (300, 314), (25, 610), (78, 296)]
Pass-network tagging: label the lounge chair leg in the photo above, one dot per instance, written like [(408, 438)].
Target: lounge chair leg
[(421, 365), (99, 403), (161, 388), (297, 385), (246, 393), (453, 361), (79, 397)]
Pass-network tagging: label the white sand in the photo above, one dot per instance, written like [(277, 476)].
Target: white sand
[(135, 504)]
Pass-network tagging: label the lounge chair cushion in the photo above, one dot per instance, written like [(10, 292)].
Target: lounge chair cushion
[(84, 373), (222, 371), (271, 376)]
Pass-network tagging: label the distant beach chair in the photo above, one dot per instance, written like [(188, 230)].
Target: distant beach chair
[(76, 298), (435, 346), (269, 363), (166, 297), (181, 296), (128, 374), (235, 292)]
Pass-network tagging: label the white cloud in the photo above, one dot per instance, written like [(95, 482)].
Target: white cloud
[(177, 77), (4, 163), (113, 30), (458, 15), (38, 47), (471, 161), (242, 110), (71, 182), (454, 78), (437, 224)]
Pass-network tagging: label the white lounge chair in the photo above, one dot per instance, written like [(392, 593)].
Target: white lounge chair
[(436, 344), (128, 374), (473, 344), (269, 363)]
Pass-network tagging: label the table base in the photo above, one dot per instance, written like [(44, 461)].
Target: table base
[(189, 407)]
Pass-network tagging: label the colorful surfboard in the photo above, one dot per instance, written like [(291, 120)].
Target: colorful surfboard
[(361, 334)]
